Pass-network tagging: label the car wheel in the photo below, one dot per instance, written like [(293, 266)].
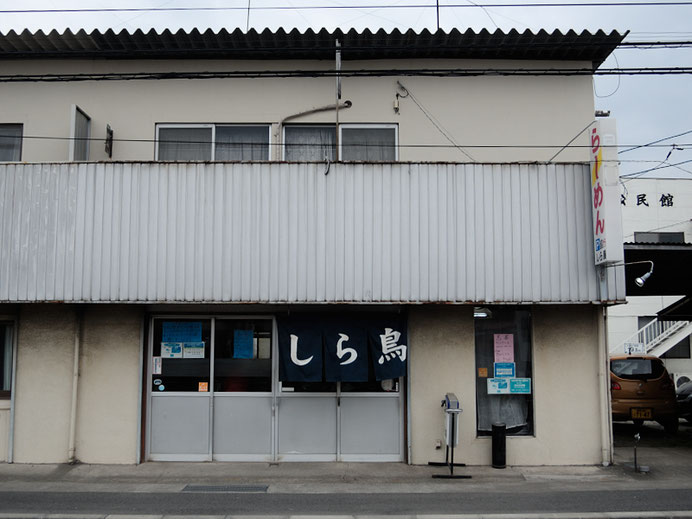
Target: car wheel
[(671, 426)]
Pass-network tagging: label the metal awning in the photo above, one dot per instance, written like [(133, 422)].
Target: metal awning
[(365, 45), (678, 311)]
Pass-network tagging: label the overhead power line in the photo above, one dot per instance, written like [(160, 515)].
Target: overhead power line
[(654, 144), (302, 73), (411, 145), (351, 7)]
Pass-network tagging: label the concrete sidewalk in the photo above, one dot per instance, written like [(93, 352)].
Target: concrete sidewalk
[(669, 468)]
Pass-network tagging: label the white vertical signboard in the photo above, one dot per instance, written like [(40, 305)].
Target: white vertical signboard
[(605, 194)]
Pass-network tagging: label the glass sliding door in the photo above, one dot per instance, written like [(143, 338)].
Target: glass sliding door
[(243, 399), (180, 403), (214, 393)]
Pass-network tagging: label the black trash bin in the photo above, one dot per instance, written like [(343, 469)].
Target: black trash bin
[(499, 445)]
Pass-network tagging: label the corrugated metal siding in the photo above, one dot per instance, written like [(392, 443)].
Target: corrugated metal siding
[(282, 232)]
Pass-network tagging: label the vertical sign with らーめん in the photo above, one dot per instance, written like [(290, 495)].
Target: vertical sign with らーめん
[(349, 349), (605, 194)]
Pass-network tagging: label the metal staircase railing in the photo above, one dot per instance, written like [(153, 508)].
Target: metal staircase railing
[(651, 335)]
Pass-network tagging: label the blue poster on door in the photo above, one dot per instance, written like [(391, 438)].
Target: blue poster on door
[(182, 331), (243, 347)]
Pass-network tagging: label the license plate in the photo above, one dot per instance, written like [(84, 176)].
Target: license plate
[(642, 414)]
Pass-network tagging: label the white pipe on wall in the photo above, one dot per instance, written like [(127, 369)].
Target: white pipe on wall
[(75, 386), (604, 389), (13, 390)]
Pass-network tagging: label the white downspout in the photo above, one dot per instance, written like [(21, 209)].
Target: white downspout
[(75, 386), (13, 389), (604, 389)]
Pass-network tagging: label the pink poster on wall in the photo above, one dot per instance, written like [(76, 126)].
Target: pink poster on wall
[(504, 347)]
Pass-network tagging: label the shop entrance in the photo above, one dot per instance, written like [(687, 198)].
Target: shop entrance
[(214, 394)]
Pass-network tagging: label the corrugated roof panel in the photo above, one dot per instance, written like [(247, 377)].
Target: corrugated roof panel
[(279, 44), (288, 233)]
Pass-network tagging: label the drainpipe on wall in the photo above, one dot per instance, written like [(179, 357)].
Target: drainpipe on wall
[(79, 314), (328, 108), (13, 389), (604, 389)]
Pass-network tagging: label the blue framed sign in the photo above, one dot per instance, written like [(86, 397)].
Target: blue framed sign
[(505, 370), (520, 386), (509, 386)]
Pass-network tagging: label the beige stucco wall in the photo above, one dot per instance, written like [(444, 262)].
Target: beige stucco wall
[(43, 383), (473, 110), (108, 389), (565, 384), (4, 428), (107, 410)]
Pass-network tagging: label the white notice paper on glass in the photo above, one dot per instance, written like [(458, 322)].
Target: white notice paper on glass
[(193, 350), (172, 350), (504, 347)]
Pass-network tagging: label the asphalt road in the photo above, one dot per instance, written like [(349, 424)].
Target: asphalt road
[(315, 504)]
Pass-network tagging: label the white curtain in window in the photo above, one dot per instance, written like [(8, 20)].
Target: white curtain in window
[(310, 143), (368, 144), (242, 143), (184, 144), (10, 142)]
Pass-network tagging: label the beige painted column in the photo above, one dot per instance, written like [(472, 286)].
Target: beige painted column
[(43, 383), (441, 341), (107, 403)]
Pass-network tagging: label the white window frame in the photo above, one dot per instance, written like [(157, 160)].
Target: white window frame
[(310, 125), (73, 131), (370, 126), (213, 127), (184, 125)]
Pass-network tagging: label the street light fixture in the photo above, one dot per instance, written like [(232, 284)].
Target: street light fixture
[(642, 279)]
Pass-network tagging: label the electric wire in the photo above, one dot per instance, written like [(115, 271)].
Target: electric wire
[(666, 3), (433, 120), (657, 141), (363, 73), (410, 145)]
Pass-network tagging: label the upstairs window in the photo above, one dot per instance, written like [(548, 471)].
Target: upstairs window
[(304, 143), (80, 133), (358, 142), (205, 142), (368, 143), (10, 142)]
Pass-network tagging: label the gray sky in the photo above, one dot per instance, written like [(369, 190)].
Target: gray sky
[(647, 108)]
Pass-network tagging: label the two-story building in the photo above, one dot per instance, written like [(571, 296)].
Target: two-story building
[(290, 246)]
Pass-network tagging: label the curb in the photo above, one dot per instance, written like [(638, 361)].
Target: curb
[(565, 515)]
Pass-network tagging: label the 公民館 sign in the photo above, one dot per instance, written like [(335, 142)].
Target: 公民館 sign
[(315, 348), (605, 194)]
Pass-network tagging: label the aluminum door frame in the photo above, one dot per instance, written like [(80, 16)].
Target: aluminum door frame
[(210, 394), (271, 456), (338, 455), (276, 395), (150, 395)]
